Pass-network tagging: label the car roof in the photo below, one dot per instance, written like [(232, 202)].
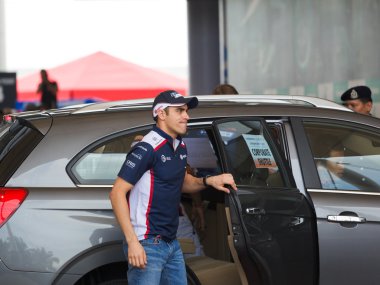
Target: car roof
[(222, 105), (215, 100)]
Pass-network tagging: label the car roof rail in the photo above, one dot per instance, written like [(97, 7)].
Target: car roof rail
[(109, 105), (279, 99), (249, 99)]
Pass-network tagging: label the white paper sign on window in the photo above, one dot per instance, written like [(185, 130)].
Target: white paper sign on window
[(260, 151)]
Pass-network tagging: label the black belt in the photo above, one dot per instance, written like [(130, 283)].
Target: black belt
[(165, 239)]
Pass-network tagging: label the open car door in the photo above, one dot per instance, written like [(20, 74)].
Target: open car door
[(273, 223)]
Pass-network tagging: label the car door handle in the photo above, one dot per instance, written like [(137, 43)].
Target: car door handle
[(346, 219), (255, 211)]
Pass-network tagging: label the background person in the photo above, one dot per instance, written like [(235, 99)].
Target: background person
[(152, 178), (331, 168), (48, 90), (224, 89), (358, 99)]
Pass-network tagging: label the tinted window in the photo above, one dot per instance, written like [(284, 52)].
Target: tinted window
[(17, 140), (346, 157), (251, 154)]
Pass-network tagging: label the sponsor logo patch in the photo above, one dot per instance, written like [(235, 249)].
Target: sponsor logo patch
[(138, 156), (130, 164), (143, 148), (175, 95)]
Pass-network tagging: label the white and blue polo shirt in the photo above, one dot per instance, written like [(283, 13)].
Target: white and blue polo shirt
[(156, 167)]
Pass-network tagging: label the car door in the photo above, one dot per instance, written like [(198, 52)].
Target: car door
[(273, 223), (346, 201)]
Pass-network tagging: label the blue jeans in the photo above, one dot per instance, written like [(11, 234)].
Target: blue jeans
[(165, 264)]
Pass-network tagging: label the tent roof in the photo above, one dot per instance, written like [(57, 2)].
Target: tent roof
[(101, 76)]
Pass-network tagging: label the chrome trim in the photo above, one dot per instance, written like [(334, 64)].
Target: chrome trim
[(354, 192), (345, 219), (200, 123), (93, 186)]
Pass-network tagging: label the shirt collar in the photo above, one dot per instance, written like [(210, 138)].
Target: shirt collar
[(166, 136)]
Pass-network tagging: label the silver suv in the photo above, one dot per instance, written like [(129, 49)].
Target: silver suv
[(294, 220)]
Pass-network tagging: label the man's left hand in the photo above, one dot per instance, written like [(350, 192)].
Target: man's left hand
[(219, 182)]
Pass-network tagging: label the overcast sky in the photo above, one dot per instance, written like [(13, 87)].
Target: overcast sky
[(47, 33)]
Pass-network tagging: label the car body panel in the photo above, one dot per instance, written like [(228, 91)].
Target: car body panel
[(70, 226), (348, 244), (88, 214)]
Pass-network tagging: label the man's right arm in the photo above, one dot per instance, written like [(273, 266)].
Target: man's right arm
[(136, 253)]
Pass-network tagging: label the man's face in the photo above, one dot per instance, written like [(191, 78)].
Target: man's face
[(358, 106), (175, 120)]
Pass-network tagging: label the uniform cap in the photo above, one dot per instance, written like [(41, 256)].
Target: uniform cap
[(357, 92)]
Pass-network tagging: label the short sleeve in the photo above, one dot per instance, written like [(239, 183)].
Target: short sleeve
[(138, 161)]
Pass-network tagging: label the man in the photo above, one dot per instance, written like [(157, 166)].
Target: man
[(48, 90), (152, 178), (358, 99), (331, 168)]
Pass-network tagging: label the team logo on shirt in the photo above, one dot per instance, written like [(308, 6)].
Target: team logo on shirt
[(130, 164), (182, 156), (165, 158)]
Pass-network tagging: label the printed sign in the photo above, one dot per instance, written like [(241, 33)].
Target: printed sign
[(7, 90), (260, 151)]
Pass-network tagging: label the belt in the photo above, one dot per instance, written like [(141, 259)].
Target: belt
[(165, 239)]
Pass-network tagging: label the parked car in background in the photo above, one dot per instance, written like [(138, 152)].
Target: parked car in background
[(285, 224)]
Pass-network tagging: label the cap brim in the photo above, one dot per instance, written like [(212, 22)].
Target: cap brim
[(192, 102)]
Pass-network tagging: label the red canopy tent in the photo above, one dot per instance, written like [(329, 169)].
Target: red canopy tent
[(101, 77)]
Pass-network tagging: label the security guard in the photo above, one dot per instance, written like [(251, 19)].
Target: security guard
[(358, 99)]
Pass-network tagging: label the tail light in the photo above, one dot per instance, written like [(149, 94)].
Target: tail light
[(10, 200)]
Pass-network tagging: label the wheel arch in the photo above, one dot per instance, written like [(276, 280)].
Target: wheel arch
[(89, 261)]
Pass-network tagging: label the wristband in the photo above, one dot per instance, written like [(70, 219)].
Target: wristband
[(204, 180)]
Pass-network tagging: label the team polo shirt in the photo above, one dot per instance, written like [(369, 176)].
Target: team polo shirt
[(156, 167)]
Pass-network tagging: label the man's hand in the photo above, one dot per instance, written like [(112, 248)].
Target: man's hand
[(219, 182), (136, 254)]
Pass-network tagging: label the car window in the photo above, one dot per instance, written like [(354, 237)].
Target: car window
[(278, 134), (251, 154), (346, 157), (201, 155), (100, 164), (17, 140)]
